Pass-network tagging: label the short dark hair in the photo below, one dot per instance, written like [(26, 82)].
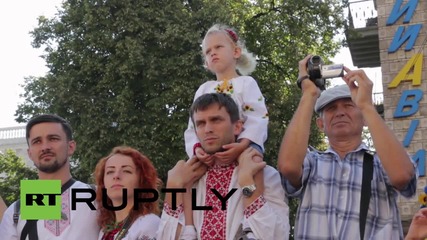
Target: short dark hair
[(50, 118), (223, 100)]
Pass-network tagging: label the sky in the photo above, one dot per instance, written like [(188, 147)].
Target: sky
[(18, 59)]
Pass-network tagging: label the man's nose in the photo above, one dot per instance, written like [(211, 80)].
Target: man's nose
[(46, 146), (208, 127), (340, 111)]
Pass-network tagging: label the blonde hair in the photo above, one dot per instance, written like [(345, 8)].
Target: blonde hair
[(246, 63)]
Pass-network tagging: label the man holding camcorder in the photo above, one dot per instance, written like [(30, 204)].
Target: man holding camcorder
[(346, 192)]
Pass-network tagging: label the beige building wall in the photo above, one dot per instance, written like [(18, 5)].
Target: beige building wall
[(14, 138), (391, 65)]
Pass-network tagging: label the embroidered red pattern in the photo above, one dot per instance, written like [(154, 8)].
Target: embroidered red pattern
[(57, 227), (255, 205), (145, 237), (111, 234), (174, 213), (214, 221)]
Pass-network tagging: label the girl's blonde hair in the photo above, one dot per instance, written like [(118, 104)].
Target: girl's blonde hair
[(246, 63)]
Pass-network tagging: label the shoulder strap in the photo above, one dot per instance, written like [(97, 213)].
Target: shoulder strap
[(93, 186), (125, 229), (30, 228), (16, 211), (368, 171), (67, 185)]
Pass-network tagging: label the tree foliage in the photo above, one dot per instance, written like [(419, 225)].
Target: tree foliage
[(124, 72), (12, 171)]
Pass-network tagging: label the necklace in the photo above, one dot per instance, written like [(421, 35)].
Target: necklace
[(119, 228), (125, 227)]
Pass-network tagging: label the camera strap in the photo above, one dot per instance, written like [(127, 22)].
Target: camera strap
[(30, 228), (368, 172)]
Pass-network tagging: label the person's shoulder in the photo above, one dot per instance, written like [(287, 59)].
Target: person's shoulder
[(148, 217), (269, 168), (147, 221), (270, 171), (205, 87), (208, 83), (80, 184), (246, 82), (8, 219), (10, 210), (144, 227), (245, 78)]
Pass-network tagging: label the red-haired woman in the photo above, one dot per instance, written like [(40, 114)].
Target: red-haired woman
[(126, 168)]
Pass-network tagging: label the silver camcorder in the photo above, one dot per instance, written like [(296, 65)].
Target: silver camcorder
[(318, 72), (332, 71)]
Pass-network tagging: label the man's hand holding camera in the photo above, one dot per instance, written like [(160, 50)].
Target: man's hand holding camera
[(357, 80), (360, 87), (318, 72), (307, 86)]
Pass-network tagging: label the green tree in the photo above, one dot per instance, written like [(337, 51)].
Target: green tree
[(12, 171), (367, 138), (124, 72)]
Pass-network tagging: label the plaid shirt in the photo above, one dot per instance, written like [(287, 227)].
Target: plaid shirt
[(330, 198)]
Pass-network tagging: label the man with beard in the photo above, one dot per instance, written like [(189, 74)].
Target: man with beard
[(50, 145)]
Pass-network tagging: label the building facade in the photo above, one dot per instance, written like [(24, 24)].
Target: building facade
[(14, 138), (394, 37)]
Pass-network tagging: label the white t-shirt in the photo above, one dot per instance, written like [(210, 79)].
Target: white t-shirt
[(144, 228), (80, 223)]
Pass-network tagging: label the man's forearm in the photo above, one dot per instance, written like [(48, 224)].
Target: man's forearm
[(393, 156), (295, 142)]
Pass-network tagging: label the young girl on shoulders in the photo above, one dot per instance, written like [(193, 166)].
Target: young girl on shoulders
[(226, 56)]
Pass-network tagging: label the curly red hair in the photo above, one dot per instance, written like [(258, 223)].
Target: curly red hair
[(148, 179)]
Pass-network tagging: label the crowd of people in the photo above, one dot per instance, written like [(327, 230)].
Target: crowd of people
[(344, 192)]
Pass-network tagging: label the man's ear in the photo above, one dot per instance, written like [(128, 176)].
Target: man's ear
[(238, 127), (319, 123), (29, 153), (71, 147)]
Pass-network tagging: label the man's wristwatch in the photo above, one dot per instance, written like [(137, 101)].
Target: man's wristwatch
[(247, 191)]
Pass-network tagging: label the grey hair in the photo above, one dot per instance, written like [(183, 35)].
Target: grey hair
[(246, 63)]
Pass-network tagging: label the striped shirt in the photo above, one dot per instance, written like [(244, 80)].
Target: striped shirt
[(330, 198)]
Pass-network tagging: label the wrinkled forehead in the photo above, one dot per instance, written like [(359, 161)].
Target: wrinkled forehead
[(338, 101)]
